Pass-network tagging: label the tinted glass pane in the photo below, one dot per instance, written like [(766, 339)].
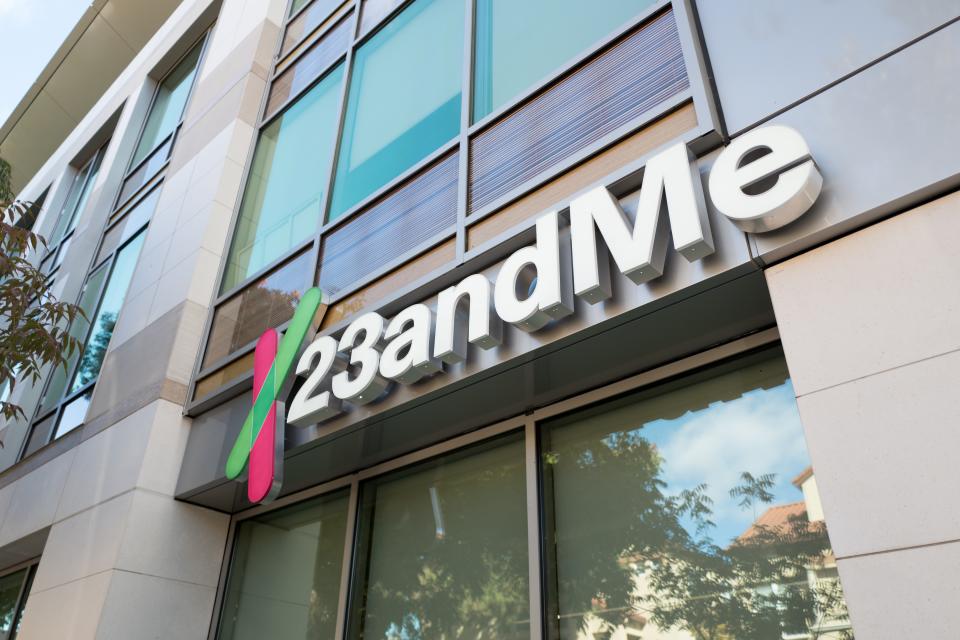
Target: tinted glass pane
[(39, 436), (131, 222), (73, 414), (76, 199), (106, 317), (444, 549), (32, 572), (283, 198), (266, 303), (690, 511), (146, 171), (88, 303), (519, 43), (307, 21), (309, 66), (169, 103), (46, 266), (296, 5), (404, 98), (374, 11), (10, 587), (29, 217), (61, 253), (285, 578)]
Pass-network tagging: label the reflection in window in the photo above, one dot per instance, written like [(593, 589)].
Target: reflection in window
[(690, 512), (168, 105), (520, 43), (266, 303), (88, 303), (77, 198), (285, 581), (131, 222), (14, 588), (39, 436), (444, 549), (283, 199), (103, 323), (73, 414), (404, 100)]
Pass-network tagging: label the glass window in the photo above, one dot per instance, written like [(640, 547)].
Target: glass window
[(404, 100), (689, 511), (88, 302), (443, 549), (73, 414), (296, 5), (105, 318), (131, 222), (145, 172), (29, 217), (266, 303), (11, 588), (286, 574), (77, 198), (168, 105), (283, 198), (39, 436), (520, 43)]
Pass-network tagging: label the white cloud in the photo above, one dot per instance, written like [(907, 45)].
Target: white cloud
[(759, 432)]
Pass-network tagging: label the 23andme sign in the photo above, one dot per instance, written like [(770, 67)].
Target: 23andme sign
[(762, 181)]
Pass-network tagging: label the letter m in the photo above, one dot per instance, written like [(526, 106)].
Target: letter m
[(670, 180)]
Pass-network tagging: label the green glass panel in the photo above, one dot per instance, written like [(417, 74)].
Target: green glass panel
[(443, 549), (283, 199), (404, 100), (88, 303), (168, 105), (520, 43), (10, 587), (690, 511), (285, 577), (106, 317), (296, 5)]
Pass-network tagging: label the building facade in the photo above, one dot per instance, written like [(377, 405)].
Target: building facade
[(488, 319)]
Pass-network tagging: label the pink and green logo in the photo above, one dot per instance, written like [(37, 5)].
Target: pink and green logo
[(261, 437)]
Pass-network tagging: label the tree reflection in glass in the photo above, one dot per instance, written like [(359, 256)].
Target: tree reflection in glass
[(285, 577), (690, 512), (444, 550), (106, 316)]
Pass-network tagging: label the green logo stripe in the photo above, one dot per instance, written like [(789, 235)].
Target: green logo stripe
[(287, 350)]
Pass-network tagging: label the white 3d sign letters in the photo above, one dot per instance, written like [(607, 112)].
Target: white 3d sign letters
[(762, 181), (529, 306), (670, 178), (484, 327), (406, 358), (796, 181)]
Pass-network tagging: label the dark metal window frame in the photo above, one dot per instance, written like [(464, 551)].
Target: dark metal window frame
[(31, 567), (699, 94), (54, 252), (203, 42), (530, 425)]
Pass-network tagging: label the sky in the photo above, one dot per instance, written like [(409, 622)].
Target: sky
[(30, 32), (759, 432)]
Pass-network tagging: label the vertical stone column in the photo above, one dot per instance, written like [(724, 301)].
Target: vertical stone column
[(871, 329), (122, 558)]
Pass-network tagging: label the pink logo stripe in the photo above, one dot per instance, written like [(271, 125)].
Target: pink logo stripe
[(263, 452)]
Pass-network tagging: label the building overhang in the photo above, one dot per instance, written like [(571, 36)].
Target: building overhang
[(95, 52)]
